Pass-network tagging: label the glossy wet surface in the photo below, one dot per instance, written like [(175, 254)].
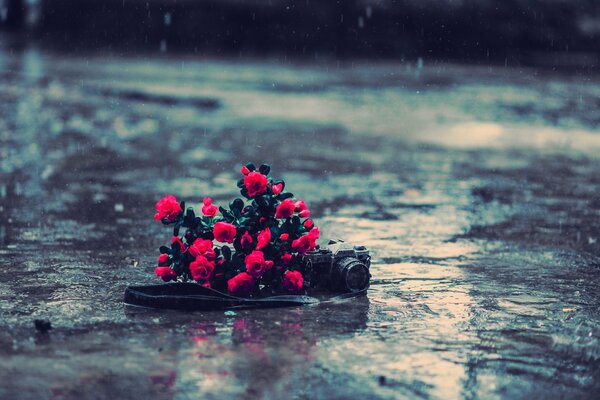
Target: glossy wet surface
[(477, 190)]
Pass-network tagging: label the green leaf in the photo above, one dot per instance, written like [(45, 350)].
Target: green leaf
[(240, 183), (250, 166), (190, 213), (226, 252), (164, 250), (264, 169), (286, 195), (237, 204)]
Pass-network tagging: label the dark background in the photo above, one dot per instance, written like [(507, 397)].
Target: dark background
[(553, 32)]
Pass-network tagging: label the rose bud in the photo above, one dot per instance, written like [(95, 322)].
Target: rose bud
[(244, 170), (308, 224), (304, 214), (284, 236), (277, 188), (246, 240), (264, 237), (293, 281), (164, 259), (209, 209), (165, 273), (168, 207), (286, 258)]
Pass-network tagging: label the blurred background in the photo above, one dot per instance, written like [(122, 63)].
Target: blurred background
[(552, 32), (457, 139)]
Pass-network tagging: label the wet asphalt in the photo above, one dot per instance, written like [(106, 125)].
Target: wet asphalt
[(476, 188)]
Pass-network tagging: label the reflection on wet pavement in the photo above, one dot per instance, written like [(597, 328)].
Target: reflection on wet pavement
[(476, 191)]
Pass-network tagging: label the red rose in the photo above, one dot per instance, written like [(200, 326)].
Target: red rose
[(202, 247), (304, 244), (164, 259), (256, 183), (286, 258), (182, 247), (308, 224), (284, 236), (209, 209), (168, 207), (285, 209), (264, 237), (242, 283), (300, 206), (244, 170), (255, 263), (201, 268), (315, 232), (246, 240), (269, 264), (304, 214), (224, 232), (293, 281), (165, 273), (277, 188)]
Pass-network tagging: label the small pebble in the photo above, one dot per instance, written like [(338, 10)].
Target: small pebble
[(42, 326)]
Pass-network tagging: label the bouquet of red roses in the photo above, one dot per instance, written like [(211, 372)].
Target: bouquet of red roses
[(253, 247)]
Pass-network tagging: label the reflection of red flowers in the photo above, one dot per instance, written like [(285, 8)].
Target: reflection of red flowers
[(277, 188), (224, 232), (201, 268), (285, 209), (165, 273), (202, 247), (293, 281), (168, 207), (246, 240), (242, 283), (255, 263), (286, 258), (255, 183), (163, 259), (182, 247), (209, 209), (264, 237)]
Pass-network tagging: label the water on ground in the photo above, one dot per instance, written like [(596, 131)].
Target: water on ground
[(476, 189)]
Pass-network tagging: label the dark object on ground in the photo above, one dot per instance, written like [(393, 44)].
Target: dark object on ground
[(339, 267), (193, 297), (42, 325)]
